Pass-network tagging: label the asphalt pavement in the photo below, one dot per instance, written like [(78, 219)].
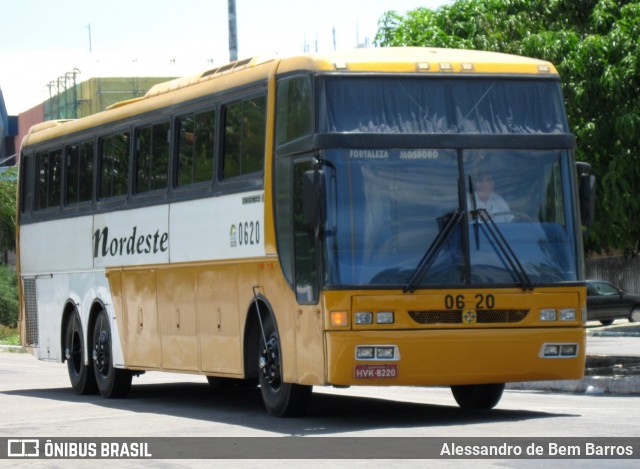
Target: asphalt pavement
[(612, 365)]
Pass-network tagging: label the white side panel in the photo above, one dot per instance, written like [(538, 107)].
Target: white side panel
[(227, 227), (56, 246), (83, 288), (131, 237)]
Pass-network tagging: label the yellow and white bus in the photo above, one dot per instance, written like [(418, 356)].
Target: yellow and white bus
[(373, 217)]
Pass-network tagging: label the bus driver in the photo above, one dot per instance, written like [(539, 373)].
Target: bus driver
[(487, 199)]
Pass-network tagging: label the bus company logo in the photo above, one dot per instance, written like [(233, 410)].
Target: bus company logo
[(134, 243), (469, 316), (23, 448), (233, 235)]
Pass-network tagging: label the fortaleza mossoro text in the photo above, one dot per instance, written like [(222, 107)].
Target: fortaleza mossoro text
[(534, 449)]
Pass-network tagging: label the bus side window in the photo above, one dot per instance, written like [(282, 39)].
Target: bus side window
[(26, 183), (152, 158), (294, 109), (113, 161), (196, 146), (79, 167), (48, 179), (244, 137)]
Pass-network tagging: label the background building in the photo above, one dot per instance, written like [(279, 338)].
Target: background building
[(71, 100), (8, 131)]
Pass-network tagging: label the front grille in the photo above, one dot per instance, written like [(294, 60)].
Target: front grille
[(31, 311), (450, 316), (483, 316)]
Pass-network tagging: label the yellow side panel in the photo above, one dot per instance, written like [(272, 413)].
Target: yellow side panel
[(218, 320), (309, 345), (177, 319), (141, 330)]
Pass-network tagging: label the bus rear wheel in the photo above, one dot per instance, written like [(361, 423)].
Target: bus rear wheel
[(83, 380), (478, 396), (111, 381), (281, 399)]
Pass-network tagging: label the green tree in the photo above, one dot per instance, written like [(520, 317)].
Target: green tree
[(7, 212), (8, 281), (594, 44), (8, 296)]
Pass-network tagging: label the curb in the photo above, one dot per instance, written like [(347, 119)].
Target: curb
[(587, 385), (603, 375), (612, 334), (12, 349)]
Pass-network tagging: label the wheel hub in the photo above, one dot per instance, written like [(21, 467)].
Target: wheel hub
[(101, 353), (269, 362)]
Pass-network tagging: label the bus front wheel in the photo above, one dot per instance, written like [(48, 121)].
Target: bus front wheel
[(82, 379), (111, 381), (478, 396), (281, 399)]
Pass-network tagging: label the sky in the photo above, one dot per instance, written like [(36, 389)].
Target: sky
[(42, 40)]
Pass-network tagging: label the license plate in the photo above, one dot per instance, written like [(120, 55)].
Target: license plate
[(375, 371)]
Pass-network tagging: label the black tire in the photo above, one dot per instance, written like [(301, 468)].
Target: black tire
[(83, 380), (606, 322), (635, 315), (281, 399), (228, 383), (112, 382), (478, 396)]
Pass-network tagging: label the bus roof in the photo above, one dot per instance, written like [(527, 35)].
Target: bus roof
[(244, 72)]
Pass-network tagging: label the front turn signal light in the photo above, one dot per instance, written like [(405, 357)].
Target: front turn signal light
[(339, 318)]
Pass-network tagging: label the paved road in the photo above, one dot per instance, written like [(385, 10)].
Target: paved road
[(36, 401)]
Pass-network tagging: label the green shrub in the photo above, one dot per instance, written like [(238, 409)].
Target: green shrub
[(8, 296), (9, 336)]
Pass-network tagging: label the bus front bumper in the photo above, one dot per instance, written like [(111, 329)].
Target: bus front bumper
[(454, 357)]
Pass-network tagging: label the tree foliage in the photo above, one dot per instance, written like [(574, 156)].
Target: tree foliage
[(7, 211), (8, 296), (594, 45), (8, 281)]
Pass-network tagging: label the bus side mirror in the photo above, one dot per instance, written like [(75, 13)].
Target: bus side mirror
[(314, 206), (587, 194)]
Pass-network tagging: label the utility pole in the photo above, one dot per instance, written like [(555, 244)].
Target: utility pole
[(233, 32)]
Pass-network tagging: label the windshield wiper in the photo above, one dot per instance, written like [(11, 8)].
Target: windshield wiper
[(498, 238), (430, 256), (503, 245), (474, 203)]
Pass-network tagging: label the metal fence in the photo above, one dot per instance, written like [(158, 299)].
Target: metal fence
[(621, 271)]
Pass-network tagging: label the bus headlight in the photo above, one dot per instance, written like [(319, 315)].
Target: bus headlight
[(364, 317), (568, 314), (385, 353), (385, 317), (378, 352), (365, 353), (548, 314), (559, 351)]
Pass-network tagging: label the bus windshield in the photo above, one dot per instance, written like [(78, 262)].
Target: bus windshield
[(442, 106), (387, 207), (447, 216)]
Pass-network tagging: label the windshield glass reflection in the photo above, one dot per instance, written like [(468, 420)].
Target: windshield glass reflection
[(387, 207)]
